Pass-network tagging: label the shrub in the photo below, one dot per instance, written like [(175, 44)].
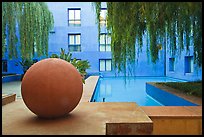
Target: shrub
[(81, 65)]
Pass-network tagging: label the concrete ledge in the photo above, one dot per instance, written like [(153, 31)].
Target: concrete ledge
[(88, 88), (8, 98), (86, 119), (172, 120), (173, 111), (177, 126)]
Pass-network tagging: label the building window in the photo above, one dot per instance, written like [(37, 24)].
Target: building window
[(74, 42), (102, 19), (4, 66), (105, 65), (171, 64), (74, 18), (105, 42), (188, 64)]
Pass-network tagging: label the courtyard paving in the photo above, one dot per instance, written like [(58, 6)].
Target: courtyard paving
[(88, 118), (100, 118)]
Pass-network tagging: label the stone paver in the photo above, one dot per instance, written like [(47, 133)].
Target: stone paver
[(86, 118)]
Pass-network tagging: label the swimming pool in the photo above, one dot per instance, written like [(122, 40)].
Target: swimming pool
[(129, 89)]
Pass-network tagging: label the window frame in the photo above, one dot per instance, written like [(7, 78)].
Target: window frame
[(105, 41), (105, 65), (74, 20), (78, 45), (105, 20)]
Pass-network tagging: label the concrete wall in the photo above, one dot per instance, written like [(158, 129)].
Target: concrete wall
[(175, 120), (177, 125)]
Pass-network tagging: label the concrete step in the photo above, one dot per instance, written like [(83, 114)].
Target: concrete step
[(8, 98)]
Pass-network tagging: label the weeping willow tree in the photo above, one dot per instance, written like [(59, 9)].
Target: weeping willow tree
[(32, 21), (179, 23)]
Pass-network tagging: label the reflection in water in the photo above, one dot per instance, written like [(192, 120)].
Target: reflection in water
[(105, 91), (130, 89)]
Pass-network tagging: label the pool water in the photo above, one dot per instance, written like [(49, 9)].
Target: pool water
[(127, 89)]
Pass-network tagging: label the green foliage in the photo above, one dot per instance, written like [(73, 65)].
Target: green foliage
[(98, 9), (34, 22), (175, 22), (54, 56), (26, 64), (8, 24), (65, 56), (81, 65)]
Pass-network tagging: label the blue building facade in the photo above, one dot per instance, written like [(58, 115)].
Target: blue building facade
[(76, 31), (98, 53)]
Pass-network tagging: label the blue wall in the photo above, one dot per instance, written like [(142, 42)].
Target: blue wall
[(90, 46), (88, 31), (89, 40), (180, 65)]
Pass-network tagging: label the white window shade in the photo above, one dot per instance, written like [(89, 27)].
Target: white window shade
[(108, 39), (108, 65), (77, 14), (71, 39), (103, 14), (102, 65), (102, 39), (102, 47), (78, 39), (71, 14), (108, 47)]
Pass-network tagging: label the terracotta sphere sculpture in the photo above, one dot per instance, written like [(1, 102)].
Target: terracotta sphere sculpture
[(51, 88)]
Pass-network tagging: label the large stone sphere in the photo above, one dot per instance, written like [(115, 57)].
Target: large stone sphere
[(51, 88)]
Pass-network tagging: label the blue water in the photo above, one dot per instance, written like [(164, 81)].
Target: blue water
[(129, 89)]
